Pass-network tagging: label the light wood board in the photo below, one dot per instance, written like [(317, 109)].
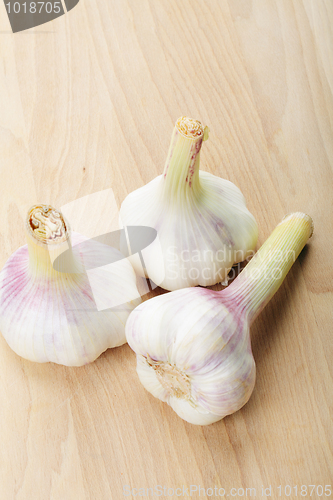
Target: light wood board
[(87, 103)]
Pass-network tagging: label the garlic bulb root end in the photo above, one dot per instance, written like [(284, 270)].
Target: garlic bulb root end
[(175, 381)]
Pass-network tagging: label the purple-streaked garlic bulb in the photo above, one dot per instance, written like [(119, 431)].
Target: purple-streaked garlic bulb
[(202, 222), (193, 345), (49, 288)]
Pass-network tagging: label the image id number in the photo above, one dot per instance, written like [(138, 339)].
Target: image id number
[(33, 7), (305, 490)]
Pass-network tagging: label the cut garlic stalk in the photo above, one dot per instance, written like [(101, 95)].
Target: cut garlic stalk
[(202, 222), (193, 345), (47, 306)]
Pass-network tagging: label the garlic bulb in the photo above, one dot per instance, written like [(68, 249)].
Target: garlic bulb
[(47, 305), (202, 222), (193, 346)]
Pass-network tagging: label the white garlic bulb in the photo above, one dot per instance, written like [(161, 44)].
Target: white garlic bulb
[(47, 304), (202, 222), (193, 346)]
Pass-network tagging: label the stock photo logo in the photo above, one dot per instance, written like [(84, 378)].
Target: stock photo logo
[(26, 14), (103, 260), (104, 248)]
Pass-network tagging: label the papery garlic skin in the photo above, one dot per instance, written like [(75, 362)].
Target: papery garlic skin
[(193, 345), (49, 315), (193, 332), (202, 222)]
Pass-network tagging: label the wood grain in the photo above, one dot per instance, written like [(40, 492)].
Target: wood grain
[(88, 102)]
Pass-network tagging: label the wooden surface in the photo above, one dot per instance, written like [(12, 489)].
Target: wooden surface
[(88, 102)]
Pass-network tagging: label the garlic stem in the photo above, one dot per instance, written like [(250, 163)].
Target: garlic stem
[(48, 238), (264, 274), (181, 171)]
